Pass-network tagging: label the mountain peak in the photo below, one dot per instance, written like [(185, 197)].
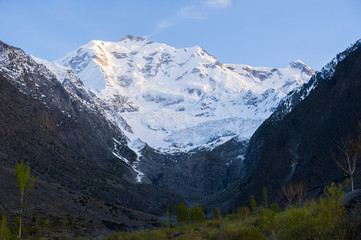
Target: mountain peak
[(298, 64), (132, 38), (8, 46)]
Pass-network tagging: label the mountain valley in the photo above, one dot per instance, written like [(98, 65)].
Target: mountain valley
[(132, 126)]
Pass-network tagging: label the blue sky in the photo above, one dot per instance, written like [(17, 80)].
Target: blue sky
[(258, 32)]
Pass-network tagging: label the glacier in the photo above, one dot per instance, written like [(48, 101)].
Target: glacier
[(177, 100)]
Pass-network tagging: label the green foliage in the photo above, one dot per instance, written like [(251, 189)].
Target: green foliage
[(253, 203), (265, 196), (4, 230), (324, 219), (196, 214), (239, 230), (112, 236), (335, 193), (215, 234), (193, 214), (217, 214), (24, 182), (294, 224), (275, 208), (243, 211), (182, 214), (266, 220)]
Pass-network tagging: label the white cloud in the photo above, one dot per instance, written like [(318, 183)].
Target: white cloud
[(219, 3)]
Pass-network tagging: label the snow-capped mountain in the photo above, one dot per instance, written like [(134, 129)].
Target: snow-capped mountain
[(179, 99), (301, 92), (57, 127), (298, 141)]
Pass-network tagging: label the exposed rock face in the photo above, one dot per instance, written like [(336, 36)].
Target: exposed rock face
[(89, 216), (197, 175), (296, 143), (352, 202)]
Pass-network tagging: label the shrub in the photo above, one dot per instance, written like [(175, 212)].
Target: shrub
[(275, 208), (253, 203), (294, 223), (157, 234), (213, 224), (214, 234), (266, 221), (237, 230), (243, 212), (326, 219)]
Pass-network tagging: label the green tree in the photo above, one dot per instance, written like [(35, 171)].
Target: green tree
[(182, 214), (24, 182), (196, 214), (193, 214), (275, 208), (217, 213), (265, 196), (253, 203), (4, 230)]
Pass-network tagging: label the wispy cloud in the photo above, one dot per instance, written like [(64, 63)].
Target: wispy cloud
[(219, 3), (185, 13), (192, 12)]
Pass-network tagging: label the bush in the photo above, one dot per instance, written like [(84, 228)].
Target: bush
[(253, 203), (236, 230), (294, 223), (214, 234), (275, 208), (266, 221), (243, 212), (326, 219), (213, 224), (157, 234)]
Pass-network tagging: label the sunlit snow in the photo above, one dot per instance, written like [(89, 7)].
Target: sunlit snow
[(181, 99)]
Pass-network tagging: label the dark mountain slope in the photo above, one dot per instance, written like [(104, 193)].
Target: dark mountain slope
[(197, 175), (299, 146)]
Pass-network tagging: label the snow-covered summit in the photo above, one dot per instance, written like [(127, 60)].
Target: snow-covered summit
[(133, 38), (180, 99)]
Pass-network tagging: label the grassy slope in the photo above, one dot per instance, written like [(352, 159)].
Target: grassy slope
[(324, 218)]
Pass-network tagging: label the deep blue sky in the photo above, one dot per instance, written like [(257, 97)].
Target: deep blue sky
[(258, 32)]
